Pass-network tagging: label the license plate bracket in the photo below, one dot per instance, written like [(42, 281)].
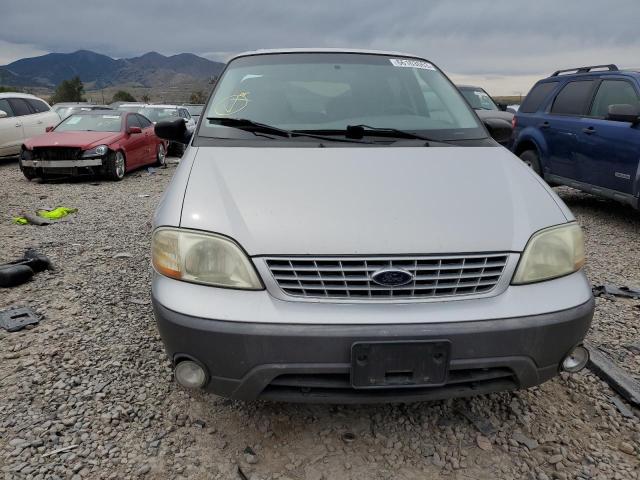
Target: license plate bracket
[(400, 364)]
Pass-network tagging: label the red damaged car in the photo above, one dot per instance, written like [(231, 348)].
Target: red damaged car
[(108, 143)]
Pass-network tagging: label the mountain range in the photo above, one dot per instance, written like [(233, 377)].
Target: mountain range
[(149, 70)]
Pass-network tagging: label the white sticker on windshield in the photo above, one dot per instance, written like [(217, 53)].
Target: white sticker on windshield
[(404, 62), (110, 116)]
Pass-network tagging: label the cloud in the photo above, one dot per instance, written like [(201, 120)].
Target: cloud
[(10, 52), (472, 38)]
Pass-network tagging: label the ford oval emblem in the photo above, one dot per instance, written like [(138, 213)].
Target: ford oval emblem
[(392, 277)]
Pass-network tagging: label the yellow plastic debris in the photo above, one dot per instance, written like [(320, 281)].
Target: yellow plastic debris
[(20, 221), (56, 213)]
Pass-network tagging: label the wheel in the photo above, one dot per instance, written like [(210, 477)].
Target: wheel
[(115, 166), (161, 156), (29, 173), (178, 149), (531, 159)]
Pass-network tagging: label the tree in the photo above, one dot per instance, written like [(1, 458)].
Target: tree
[(146, 98), (123, 96), (197, 97), (69, 91)]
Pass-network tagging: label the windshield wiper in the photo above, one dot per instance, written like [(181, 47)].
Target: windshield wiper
[(257, 127), (362, 130)]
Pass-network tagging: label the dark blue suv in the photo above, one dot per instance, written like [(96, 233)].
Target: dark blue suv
[(581, 127)]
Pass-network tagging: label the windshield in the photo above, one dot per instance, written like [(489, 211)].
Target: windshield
[(64, 112), (194, 109), (478, 99), (326, 91), (90, 123), (159, 114)]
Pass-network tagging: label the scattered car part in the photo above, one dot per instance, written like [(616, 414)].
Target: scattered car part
[(21, 270), (624, 291), (622, 408), (12, 275), (57, 213), (615, 376), (15, 319)]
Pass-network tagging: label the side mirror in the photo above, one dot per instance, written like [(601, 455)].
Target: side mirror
[(623, 112), (173, 130), (500, 130), (3, 114), (49, 129), (502, 106), (134, 130)]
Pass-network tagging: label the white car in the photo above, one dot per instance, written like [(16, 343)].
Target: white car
[(157, 113), (22, 116)]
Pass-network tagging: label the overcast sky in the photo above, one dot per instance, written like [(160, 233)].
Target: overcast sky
[(505, 45)]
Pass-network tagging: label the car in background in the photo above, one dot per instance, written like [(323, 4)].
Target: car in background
[(580, 127), (131, 107), (342, 229), (195, 110), (66, 109), (107, 143), (22, 116), (486, 108), (158, 113)]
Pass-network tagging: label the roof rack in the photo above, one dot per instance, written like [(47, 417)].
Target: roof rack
[(611, 67)]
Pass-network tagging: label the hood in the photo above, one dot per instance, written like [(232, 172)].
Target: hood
[(84, 140), (378, 201), (495, 114)]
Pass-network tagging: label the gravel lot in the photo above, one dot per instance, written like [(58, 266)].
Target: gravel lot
[(92, 377)]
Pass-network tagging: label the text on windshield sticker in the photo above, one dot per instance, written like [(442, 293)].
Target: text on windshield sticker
[(404, 62)]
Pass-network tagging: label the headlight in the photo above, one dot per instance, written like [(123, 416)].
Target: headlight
[(551, 253), (26, 154), (203, 258), (96, 151)]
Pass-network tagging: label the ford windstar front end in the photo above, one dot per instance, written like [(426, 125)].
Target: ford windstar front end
[(342, 228)]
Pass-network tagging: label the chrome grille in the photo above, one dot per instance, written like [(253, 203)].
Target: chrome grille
[(350, 277)]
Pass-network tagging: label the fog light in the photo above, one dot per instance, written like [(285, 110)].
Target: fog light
[(576, 360), (191, 375)]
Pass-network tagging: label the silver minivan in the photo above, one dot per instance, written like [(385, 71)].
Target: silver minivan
[(343, 228)]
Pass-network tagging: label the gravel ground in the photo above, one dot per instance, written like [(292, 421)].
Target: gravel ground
[(88, 393)]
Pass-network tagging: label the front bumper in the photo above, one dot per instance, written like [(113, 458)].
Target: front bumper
[(311, 363), (89, 162)]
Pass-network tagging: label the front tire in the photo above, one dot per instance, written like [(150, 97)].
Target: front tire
[(178, 149), (115, 166), (161, 155), (29, 173), (532, 160)]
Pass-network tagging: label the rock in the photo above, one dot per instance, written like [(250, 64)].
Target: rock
[(626, 448), (312, 473), (555, 459), (483, 443), (524, 440), (143, 470)]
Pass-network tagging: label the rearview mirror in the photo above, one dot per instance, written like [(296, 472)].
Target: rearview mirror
[(173, 130), (500, 130), (48, 129), (134, 130), (623, 112), (3, 114)]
